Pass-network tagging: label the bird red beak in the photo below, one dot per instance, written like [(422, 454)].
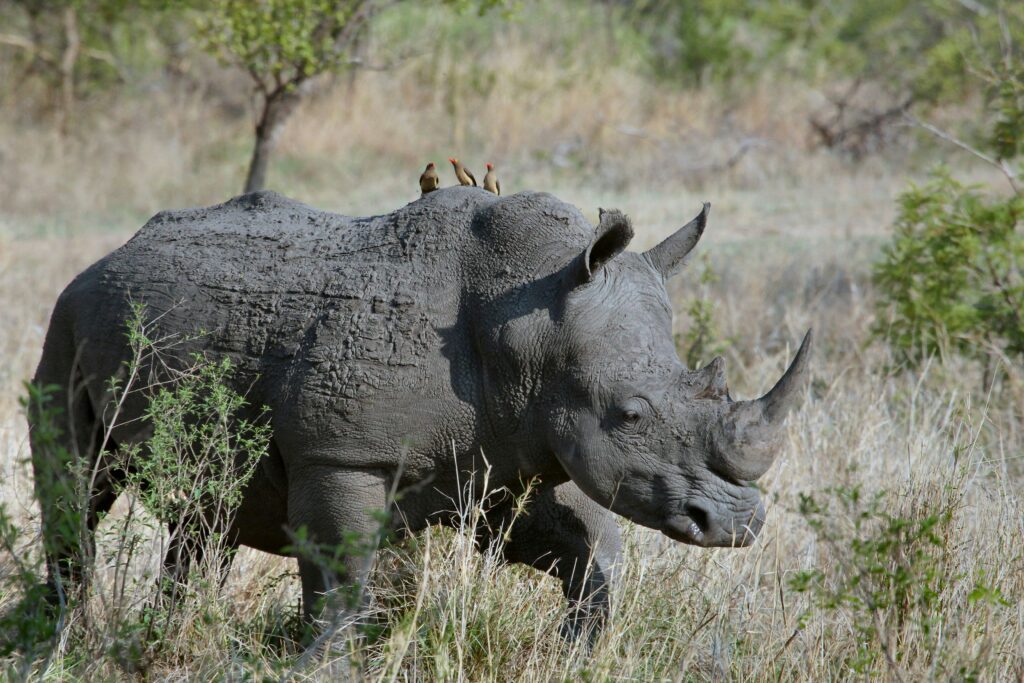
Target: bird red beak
[(453, 160)]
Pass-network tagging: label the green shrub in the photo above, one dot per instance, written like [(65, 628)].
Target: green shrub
[(695, 41), (28, 626), (950, 279), (189, 474), (200, 454), (892, 571)]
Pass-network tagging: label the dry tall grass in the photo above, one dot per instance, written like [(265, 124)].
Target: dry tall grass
[(791, 236)]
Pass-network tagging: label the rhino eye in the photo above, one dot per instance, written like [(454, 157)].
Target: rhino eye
[(632, 413)]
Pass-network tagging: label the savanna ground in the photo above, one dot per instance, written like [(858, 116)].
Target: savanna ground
[(893, 544)]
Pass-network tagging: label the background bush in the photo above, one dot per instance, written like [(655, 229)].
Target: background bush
[(951, 280)]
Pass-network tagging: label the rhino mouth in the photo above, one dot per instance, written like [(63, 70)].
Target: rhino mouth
[(694, 526), (686, 528)]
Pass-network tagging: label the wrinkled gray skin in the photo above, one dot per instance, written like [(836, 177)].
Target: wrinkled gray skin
[(393, 350)]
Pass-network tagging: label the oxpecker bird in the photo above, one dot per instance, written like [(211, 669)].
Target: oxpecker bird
[(429, 181), (491, 183), (462, 173)]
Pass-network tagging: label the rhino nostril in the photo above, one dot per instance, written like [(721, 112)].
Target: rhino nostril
[(699, 516)]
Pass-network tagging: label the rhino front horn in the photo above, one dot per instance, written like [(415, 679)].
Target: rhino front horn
[(668, 256), (751, 429)]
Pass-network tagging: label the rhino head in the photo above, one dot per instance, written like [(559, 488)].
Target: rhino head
[(662, 445), (638, 432)]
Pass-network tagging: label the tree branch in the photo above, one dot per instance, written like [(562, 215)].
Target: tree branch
[(358, 62), (1003, 167), (20, 41), (346, 33), (109, 60), (37, 53)]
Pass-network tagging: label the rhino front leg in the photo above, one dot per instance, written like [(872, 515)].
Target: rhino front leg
[(337, 518), (567, 535)]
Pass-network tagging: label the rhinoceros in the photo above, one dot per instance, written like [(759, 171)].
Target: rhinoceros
[(396, 352)]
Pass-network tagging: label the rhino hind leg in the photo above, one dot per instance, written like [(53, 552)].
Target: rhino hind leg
[(187, 549), (70, 481), (569, 536), (337, 520)]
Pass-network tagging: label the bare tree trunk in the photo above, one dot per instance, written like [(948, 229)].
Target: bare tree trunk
[(277, 107), (72, 46)]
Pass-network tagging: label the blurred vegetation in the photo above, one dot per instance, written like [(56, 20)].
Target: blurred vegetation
[(55, 52), (874, 60), (703, 339), (877, 70), (951, 280), (283, 46), (914, 49)]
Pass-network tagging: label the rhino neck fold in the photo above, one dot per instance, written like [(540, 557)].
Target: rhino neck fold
[(509, 377), (517, 270)]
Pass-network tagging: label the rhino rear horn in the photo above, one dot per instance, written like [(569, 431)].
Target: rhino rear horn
[(668, 256), (611, 237), (711, 380)]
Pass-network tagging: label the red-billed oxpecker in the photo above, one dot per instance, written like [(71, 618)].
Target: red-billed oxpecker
[(491, 183), (462, 173), (429, 180)]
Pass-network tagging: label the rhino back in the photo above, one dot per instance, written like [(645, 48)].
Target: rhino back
[(310, 305)]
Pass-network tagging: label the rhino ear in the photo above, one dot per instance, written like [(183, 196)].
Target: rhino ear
[(668, 257), (611, 237)]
